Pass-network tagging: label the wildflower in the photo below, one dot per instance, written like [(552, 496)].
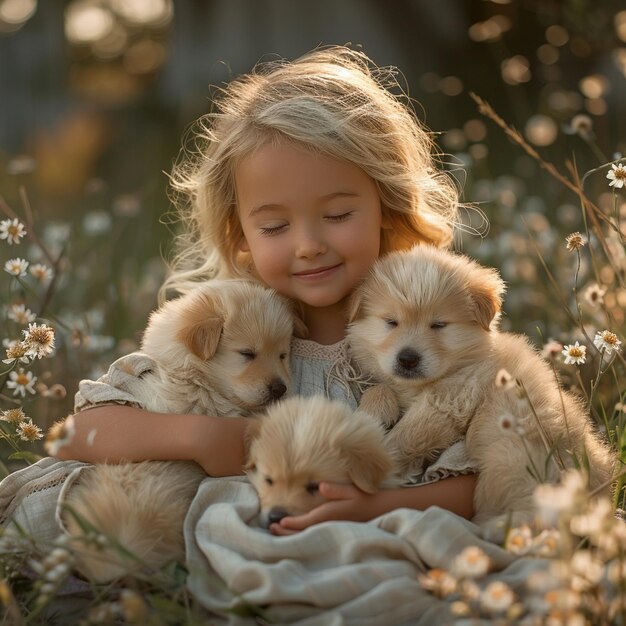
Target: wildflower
[(519, 540), (29, 431), (575, 354), (16, 267), (617, 175), (507, 422), (13, 416), (21, 382), (41, 272), (16, 353), (497, 597), (504, 380), (546, 543), (59, 435), (575, 241), (472, 562), (565, 618), (553, 500), (460, 608), (581, 125), (12, 230), (20, 314), (40, 340), (594, 294), (606, 341), (438, 581), (593, 522), (551, 350), (562, 599), (587, 569)]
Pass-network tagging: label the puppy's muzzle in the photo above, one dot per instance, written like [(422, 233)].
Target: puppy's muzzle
[(276, 389), (275, 515), (408, 364)]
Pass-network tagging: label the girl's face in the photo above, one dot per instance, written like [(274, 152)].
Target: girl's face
[(310, 222)]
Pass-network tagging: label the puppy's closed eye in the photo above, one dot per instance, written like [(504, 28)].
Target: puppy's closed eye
[(312, 488)]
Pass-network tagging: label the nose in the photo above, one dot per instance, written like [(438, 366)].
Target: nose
[(275, 515), (310, 244), (408, 358), (277, 389)]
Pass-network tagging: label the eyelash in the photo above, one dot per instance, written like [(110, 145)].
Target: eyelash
[(274, 230)]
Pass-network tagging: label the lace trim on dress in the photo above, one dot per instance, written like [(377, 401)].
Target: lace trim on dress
[(341, 371)]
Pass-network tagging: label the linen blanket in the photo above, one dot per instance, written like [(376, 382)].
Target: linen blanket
[(334, 573)]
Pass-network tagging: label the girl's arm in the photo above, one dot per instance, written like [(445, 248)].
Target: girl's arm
[(347, 502), (113, 433)]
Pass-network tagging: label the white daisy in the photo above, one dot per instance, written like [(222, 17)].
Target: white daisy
[(20, 314), (574, 354), (16, 353), (41, 272), (575, 241), (617, 175), (21, 382), (594, 294), (606, 341), (16, 267), (12, 230), (13, 416), (519, 540), (29, 431), (39, 339), (472, 562), (497, 597)]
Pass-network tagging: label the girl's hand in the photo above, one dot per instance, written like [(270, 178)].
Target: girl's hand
[(345, 502)]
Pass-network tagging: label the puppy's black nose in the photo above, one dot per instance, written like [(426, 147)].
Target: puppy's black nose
[(275, 515), (277, 389), (408, 358)]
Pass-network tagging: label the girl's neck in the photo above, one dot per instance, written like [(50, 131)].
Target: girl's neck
[(326, 325)]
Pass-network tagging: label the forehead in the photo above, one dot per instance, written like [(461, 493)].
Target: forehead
[(284, 173)]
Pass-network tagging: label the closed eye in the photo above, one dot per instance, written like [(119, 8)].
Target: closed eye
[(272, 230), (392, 323), (249, 355), (342, 217), (269, 481), (437, 325), (312, 487)]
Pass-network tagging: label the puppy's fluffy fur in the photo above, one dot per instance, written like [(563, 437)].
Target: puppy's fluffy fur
[(425, 325), (222, 349), (301, 442)]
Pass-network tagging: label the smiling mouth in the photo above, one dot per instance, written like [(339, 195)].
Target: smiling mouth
[(318, 272)]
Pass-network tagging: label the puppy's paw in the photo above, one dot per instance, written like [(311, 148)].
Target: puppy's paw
[(380, 401)]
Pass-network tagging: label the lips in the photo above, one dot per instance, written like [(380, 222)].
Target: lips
[(318, 271)]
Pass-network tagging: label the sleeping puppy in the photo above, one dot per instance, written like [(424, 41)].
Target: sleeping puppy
[(424, 324), (220, 350), (301, 442)]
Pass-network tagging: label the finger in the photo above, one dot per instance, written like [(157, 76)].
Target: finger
[(299, 522), (279, 531)]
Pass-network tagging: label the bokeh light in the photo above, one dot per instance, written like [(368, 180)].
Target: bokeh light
[(515, 70), (541, 130)]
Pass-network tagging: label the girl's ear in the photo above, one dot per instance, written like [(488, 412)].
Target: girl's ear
[(243, 245)]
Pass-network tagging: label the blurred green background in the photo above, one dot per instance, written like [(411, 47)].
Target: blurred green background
[(95, 96)]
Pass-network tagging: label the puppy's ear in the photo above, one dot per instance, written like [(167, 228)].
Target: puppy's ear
[(369, 462), (201, 326), (486, 290)]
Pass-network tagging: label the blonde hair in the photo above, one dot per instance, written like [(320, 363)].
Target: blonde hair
[(333, 101)]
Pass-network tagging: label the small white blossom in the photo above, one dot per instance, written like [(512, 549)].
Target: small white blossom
[(41, 272), (438, 581), (59, 435), (16, 353), (13, 416), (20, 314), (21, 382), (575, 354), (519, 540), (29, 431), (551, 350), (497, 597), (472, 562), (16, 267), (617, 175), (594, 294), (575, 241), (12, 230), (607, 342), (40, 340), (504, 380)]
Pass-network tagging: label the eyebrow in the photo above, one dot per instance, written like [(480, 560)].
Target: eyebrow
[(326, 198)]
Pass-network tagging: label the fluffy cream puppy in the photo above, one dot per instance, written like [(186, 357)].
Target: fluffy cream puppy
[(222, 349), (425, 326), (300, 442)]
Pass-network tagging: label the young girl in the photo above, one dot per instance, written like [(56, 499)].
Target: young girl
[(306, 173)]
